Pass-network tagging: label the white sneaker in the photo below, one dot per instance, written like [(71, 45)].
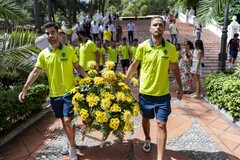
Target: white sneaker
[(65, 148), (147, 146), (72, 154)]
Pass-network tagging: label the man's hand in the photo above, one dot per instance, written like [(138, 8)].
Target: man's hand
[(179, 94), (21, 96)]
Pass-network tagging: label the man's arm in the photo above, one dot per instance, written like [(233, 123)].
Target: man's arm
[(30, 80), (176, 73), (80, 69), (97, 58), (131, 70)]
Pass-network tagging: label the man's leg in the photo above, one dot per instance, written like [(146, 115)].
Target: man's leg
[(146, 128), (161, 139)]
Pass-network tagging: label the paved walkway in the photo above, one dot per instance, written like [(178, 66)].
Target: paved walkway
[(196, 130)]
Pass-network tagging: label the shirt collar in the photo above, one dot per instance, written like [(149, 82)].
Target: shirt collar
[(152, 44), (60, 47)]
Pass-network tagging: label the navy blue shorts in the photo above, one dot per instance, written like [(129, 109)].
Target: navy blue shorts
[(62, 106), (233, 54), (125, 63), (155, 105)]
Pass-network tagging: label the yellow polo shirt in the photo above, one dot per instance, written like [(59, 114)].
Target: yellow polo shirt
[(87, 53), (58, 65), (113, 54), (154, 67), (124, 51)]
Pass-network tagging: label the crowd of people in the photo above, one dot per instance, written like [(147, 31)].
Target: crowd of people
[(151, 59)]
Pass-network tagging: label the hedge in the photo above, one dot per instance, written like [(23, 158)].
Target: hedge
[(223, 90), (12, 111)]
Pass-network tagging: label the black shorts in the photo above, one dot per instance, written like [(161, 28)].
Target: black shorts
[(125, 63)]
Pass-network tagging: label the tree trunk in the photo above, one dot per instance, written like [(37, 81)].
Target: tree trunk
[(50, 11), (37, 15)]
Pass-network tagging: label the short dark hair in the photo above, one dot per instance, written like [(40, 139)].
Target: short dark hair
[(235, 35), (98, 39), (81, 32), (124, 38), (155, 17), (135, 39), (51, 24)]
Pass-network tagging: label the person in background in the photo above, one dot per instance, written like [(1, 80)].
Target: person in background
[(155, 56), (131, 28), (101, 30), (112, 28), (112, 53), (58, 62), (233, 48), (196, 68), (124, 53), (133, 52), (88, 51), (184, 64), (63, 38), (107, 36), (198, 31), (95, 30), (118, 32), (101, 51), (173, 32), (179, 50)]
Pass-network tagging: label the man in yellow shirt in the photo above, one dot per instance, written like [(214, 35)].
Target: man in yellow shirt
[(124, 52), (107, 35), (88, 51), (63, 39), (133, 52), (112, 53), (101, 51), (155, 55), (58, 62)]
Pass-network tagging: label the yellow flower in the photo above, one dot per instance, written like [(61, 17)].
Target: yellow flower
[(121, 96), (98, 80), (75, 108), (109, 75), (128, 126), (123, 86), (92, 73), (136, 110), (78, 97), (84, 114), (92, 99), (115, 108), (91, 64), (110, 64), (114, 123), (105, 103), (77, 80), (87, 80), (126, 116), (107, 95), (101, 116), (129, 99), (121, 75), (134, 81)]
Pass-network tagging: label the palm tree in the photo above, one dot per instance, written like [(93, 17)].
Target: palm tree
[(208, 10), (10, 11)]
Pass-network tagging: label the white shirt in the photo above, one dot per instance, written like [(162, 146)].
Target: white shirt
[(111, 27), (101, 28), (130, 26), (173, 28), (95, 29)]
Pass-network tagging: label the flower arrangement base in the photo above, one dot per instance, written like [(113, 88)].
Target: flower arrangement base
[(103, 140)]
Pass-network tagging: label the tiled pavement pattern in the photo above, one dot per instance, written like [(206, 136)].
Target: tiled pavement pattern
[(195, 129)]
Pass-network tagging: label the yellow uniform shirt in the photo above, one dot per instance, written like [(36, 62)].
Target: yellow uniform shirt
[(58, 65), (102, 54), (124, 52), (113, 54), (107, 35), (87, 53), (154, 67), (133, 50)]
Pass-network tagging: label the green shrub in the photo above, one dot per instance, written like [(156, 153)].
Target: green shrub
[(12, 111), (224, 91)]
